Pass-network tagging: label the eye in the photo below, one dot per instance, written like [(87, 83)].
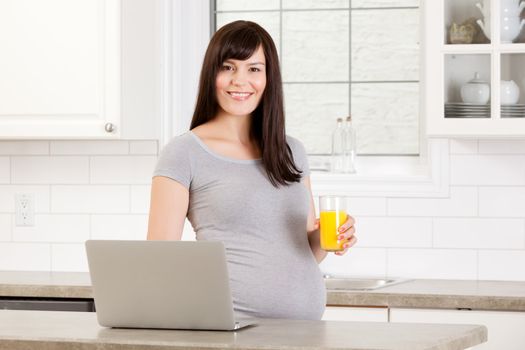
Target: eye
[(226, 67), (254, 69)]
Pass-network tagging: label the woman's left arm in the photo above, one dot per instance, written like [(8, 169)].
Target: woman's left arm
[(347, 230)]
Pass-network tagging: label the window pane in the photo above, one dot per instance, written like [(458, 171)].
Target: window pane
[(310, 111), (246, 5), (385, 45), (337, 60), (317, 52)]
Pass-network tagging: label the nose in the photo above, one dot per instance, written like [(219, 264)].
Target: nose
[(238, 78)]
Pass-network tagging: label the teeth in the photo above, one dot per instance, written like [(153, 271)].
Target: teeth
[(239, 94)]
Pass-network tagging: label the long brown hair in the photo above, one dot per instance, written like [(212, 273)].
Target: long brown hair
[(239, 40)]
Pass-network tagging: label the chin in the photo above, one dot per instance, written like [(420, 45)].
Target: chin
[(240, 112)]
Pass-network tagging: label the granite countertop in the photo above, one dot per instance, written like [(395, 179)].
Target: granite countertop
[(418, 293), (51, 330)]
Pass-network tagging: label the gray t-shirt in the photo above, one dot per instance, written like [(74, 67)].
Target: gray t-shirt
[(273, 272)]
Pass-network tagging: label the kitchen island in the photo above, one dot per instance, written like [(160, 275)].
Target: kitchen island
[(52, 330)]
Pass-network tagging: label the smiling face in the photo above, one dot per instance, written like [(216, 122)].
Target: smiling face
[(240, 84)]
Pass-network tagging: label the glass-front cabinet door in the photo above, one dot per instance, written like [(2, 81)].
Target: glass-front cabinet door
[(474, 67)]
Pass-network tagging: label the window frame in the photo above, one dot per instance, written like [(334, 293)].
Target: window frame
[(426, 175)]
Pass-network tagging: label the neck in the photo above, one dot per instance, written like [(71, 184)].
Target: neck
[(235, 127)]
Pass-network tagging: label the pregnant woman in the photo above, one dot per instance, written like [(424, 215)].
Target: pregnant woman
[(241, 180)]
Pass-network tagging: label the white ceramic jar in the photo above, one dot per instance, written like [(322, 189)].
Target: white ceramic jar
[(476, 91), (509, 92)]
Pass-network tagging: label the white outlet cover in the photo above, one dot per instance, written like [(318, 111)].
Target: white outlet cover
[(24, 209)]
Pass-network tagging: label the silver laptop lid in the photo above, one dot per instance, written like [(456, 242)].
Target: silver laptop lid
[(160, 284)]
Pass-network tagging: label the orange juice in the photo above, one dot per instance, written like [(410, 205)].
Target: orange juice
[(330, 221)]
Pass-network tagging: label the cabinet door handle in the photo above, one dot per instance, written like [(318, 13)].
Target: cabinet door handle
[(109, 127)]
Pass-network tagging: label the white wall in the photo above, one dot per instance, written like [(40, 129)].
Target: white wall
[(100, 189)]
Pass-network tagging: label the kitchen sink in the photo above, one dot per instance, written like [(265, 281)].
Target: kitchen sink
[(349, 283)]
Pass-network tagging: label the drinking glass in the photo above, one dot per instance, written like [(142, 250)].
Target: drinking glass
[(332, 216)]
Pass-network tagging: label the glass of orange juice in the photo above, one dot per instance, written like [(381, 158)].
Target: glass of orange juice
[(332, 216)]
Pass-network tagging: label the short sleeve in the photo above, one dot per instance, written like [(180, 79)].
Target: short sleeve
[(175, 162), (299, 155)]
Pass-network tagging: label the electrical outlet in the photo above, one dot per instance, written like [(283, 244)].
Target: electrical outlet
[(25, 209)]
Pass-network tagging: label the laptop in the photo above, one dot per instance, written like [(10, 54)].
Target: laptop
[(162, 284)]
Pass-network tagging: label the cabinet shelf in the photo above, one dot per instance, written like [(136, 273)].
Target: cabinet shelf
[(470, 48), (452, 97)]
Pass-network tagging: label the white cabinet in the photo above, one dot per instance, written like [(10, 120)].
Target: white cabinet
[(79, 69), (450, 61), (506, 329), (358, 314)]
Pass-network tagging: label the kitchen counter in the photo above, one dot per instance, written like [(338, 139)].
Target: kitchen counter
[(45, 284), (447, 294), (50, 330), (439, 294)]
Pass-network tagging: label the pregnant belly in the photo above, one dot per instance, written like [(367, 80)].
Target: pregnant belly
[(278, 291)]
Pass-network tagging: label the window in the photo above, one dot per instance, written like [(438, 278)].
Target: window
[(340, 57)]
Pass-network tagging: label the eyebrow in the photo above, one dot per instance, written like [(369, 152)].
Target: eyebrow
[(250, 64)]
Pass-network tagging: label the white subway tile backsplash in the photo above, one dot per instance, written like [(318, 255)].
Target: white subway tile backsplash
[(477, 232), (188, 234), (40, 194), (143, 147), (140, 198), (433, 263), (69, 257), (126, 227), (502, 146), (481, 233), (356, 262), (502, 201), (463, 201), (5, 227), (49, 170), (25, 257), (93, 147), (54, 228), (119, 170), (5, 170), (394, 232), (502, 265), (24, 147), (463, 146), (90, 199), (487, 170), (363, 206)]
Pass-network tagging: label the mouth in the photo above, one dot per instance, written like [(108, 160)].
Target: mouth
[(240, 96)]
